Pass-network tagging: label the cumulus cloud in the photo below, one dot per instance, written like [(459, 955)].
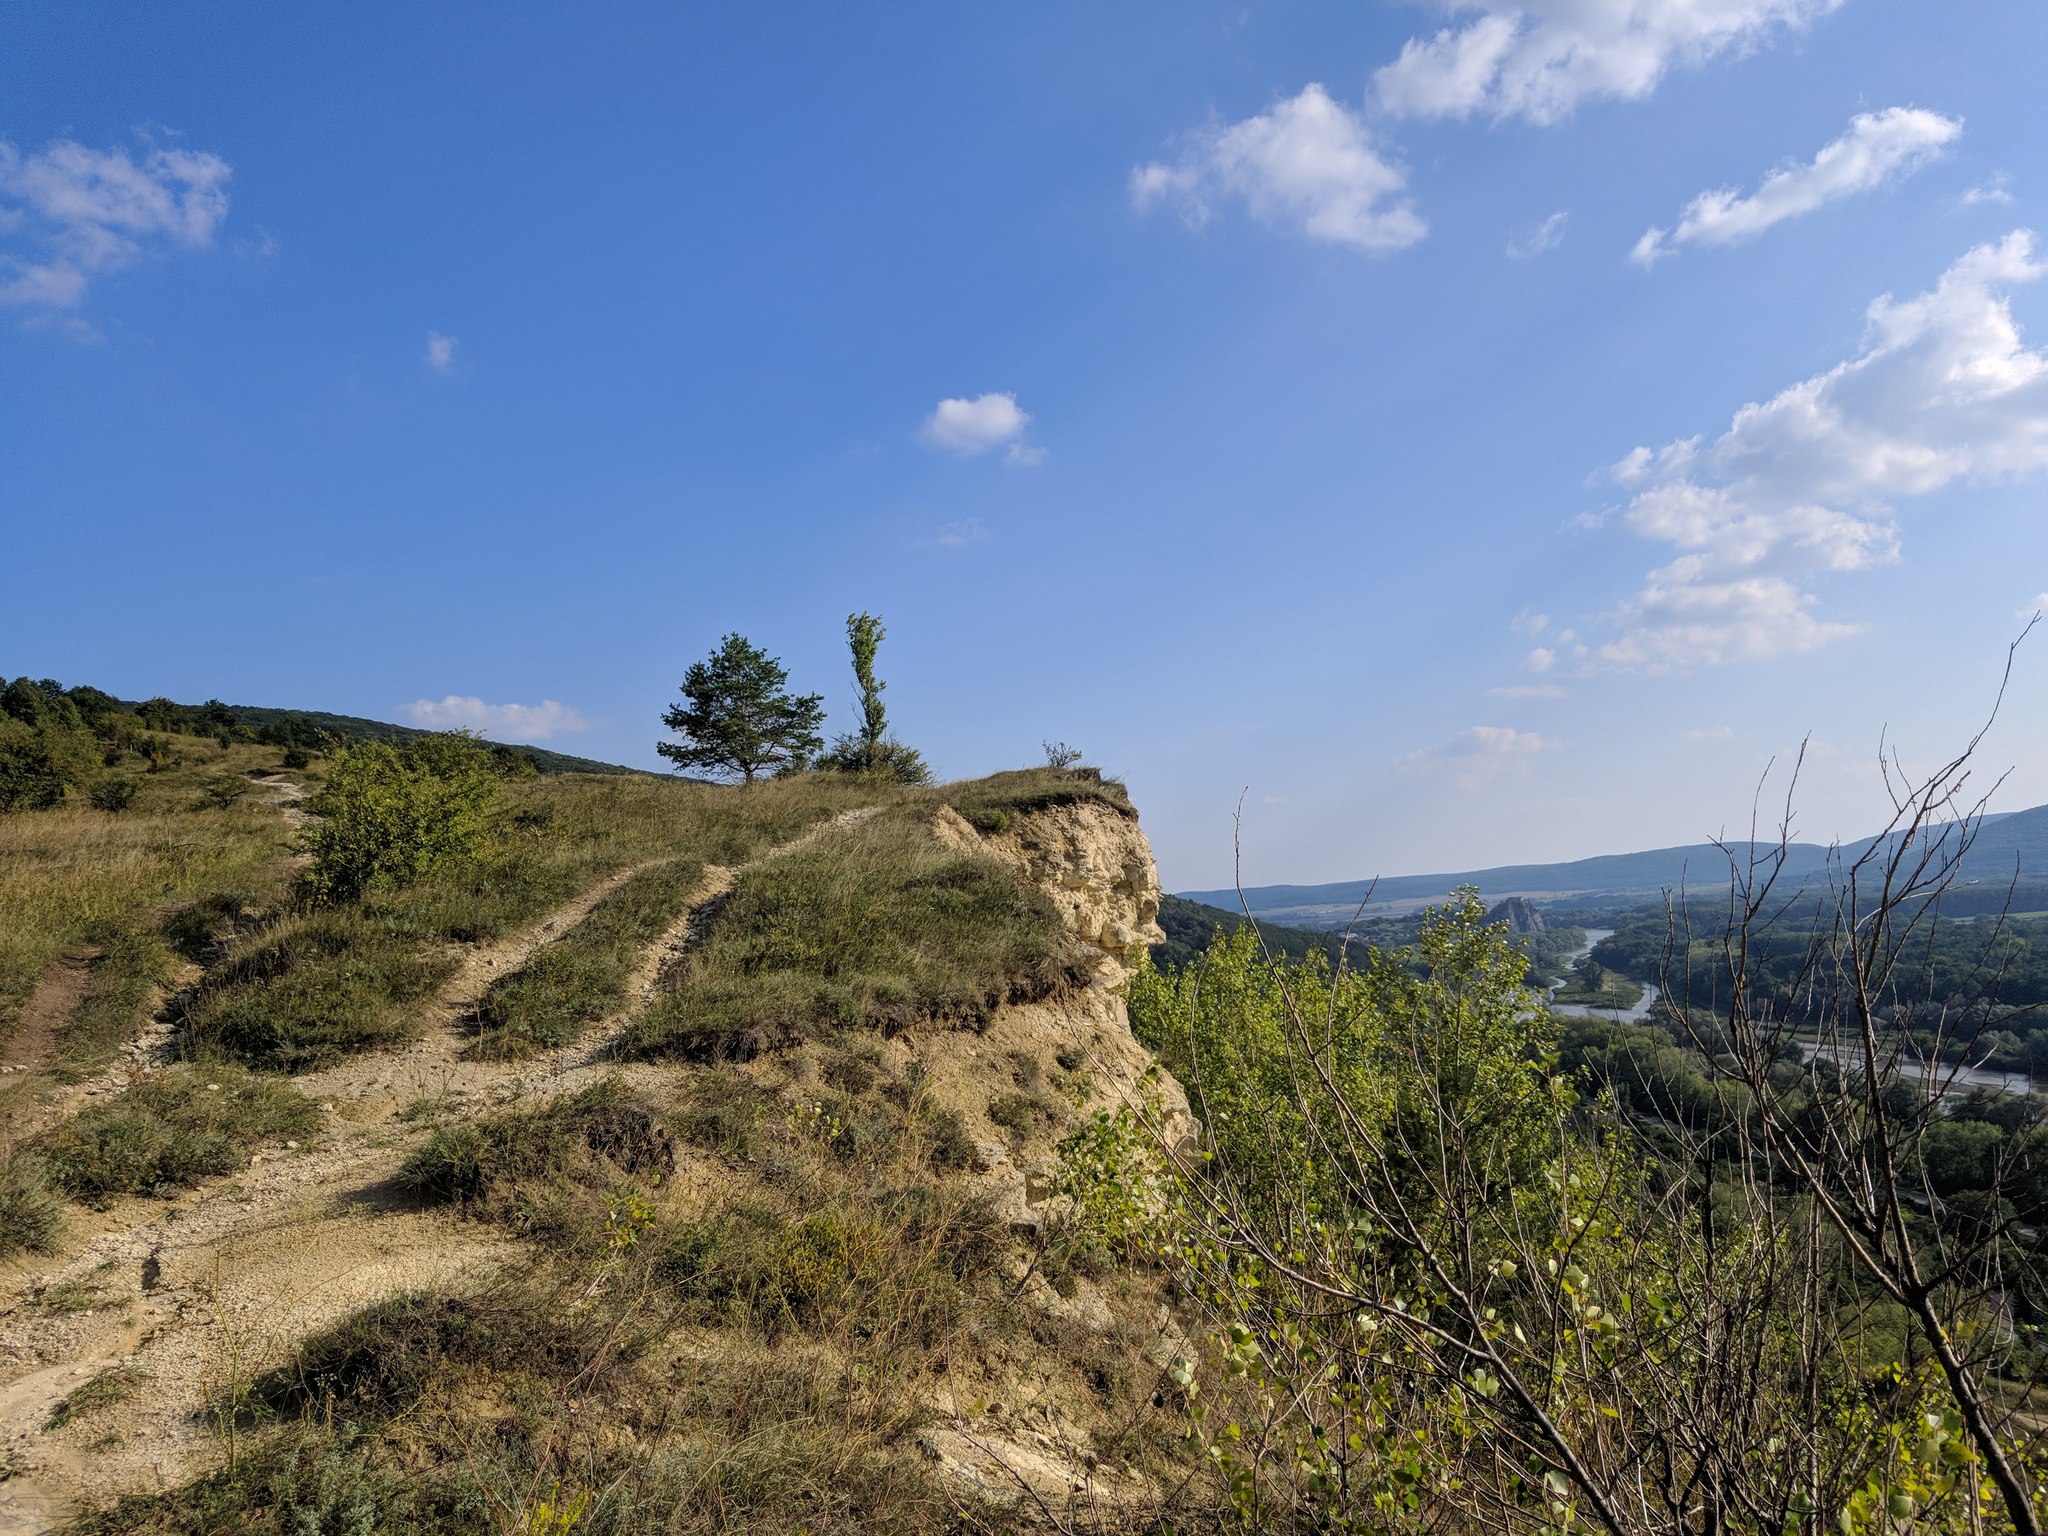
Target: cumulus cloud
[(1308, 165), (2034, 609), (1538, 59), (70, 213), (512, 722), (970, 427), (1478, 754), (1943, 391), (1878, 147), (441, 352), (1545, 236)]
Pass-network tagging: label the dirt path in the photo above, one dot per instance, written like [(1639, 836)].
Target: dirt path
[(57, 996), (185, 1296)]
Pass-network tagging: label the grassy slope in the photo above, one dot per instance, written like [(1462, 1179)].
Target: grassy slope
[(74, 877), (758, 1358)]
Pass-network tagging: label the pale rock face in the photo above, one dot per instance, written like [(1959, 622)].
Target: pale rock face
[(1094, 864)]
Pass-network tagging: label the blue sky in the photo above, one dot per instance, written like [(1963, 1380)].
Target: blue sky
[(1250, 396)]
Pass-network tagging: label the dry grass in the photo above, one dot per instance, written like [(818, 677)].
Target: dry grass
[(71, 875), (877, 926)]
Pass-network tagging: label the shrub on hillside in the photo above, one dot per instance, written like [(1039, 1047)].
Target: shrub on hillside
[(392, 815)]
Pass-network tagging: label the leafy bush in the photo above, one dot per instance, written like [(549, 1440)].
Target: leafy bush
[(392, 815), (112, 794), (31, 775), (169, 1130)]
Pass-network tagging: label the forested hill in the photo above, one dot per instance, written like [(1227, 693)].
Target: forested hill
[(355, 728), (2014, 843)]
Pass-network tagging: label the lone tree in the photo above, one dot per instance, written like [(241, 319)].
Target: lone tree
[(738, 719), (871, 749)]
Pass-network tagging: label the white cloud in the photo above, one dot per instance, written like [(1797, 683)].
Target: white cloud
[(441, 351), (1478, 754), (1541, 659), (1943, 391), (1877, 147), (1992, 191), (969, 427), (1529, 691), (72, 213), (1529, 622), (1709, 733), (1308, 165), (1538, 59), (2034, 609), (512, 722), (969, 530), (1544, 237)]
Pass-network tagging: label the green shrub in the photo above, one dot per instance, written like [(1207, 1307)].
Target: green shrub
[(30, 1216), (222, 791), (112, 794), (307, 1484), (32, 777), (169, 1130), (392, 815)]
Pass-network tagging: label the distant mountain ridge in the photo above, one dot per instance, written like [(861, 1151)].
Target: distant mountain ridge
[(2009, 844)]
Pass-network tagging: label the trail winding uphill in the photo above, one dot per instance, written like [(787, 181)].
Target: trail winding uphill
[(179, 1299)]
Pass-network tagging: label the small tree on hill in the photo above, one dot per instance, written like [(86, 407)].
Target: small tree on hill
[(391, 815), (738, 718), (871, 749)]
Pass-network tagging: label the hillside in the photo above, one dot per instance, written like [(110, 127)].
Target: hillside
[(679, 1145), (2009, 844), (261, 721)]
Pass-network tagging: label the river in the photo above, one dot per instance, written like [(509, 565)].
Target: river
[(1633, 1015)]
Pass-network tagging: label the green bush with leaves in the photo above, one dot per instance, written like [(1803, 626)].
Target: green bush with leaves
[(392, 815)]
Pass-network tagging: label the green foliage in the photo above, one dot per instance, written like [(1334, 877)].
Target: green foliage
[(738, 718), (112, 794), (31, 775), (170, 1130), (1190, 927), (874, 926), (871, 750), (393, 815)]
